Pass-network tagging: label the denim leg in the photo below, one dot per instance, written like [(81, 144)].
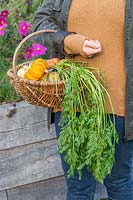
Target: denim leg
[(83, 189), (120, 183)]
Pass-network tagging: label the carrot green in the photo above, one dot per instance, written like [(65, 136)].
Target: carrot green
[(88, 137)]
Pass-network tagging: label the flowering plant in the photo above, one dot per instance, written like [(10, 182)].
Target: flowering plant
[(3, 21), (14, 15), (24, 29), (35, 49)]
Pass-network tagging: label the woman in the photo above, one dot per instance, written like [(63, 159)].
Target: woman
[(100, 33)]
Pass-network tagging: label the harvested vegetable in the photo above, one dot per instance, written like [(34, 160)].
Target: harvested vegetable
[(50, 77), (88, 139), (21, 71), (36, 69), (51, 62), (40, 69)]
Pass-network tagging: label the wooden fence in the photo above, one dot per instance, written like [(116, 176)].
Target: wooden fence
[(30, 167)]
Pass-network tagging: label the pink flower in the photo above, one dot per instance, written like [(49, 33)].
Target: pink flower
[(3, 21), (28, 53), (2, 29), (24, 28), (4, 13), (38, 49), (34, 50)]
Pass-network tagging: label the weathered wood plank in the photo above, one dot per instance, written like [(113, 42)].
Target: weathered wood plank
[(29, 134), (27, 125), (25, 114), (52, 189), (3, 195), (28, 164)]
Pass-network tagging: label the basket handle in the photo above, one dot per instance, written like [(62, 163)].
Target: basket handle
[(23, 41)]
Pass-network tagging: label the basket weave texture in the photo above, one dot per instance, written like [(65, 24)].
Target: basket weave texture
[(41, 93)]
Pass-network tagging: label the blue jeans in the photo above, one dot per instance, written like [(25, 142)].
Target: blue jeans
[(119, 184)]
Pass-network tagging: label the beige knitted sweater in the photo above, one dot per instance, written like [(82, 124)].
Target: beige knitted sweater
[(103, 21)]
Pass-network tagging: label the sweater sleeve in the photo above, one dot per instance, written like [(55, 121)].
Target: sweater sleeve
[(73, 44)]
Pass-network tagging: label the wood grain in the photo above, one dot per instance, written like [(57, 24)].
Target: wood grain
[(3, 195), (25, 114), (28, 164), (52, 189)]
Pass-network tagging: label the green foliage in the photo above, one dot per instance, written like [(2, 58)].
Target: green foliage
[(18, 11), (87, 138), (7, 93)]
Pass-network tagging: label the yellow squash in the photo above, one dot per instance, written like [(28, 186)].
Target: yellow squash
[(50, 77)]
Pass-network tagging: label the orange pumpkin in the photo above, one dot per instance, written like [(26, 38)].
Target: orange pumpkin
[(36, 69)]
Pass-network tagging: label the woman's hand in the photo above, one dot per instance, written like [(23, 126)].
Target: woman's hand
[(91, 47)]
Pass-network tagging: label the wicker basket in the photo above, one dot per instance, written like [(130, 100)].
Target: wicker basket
[(41, 93)]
